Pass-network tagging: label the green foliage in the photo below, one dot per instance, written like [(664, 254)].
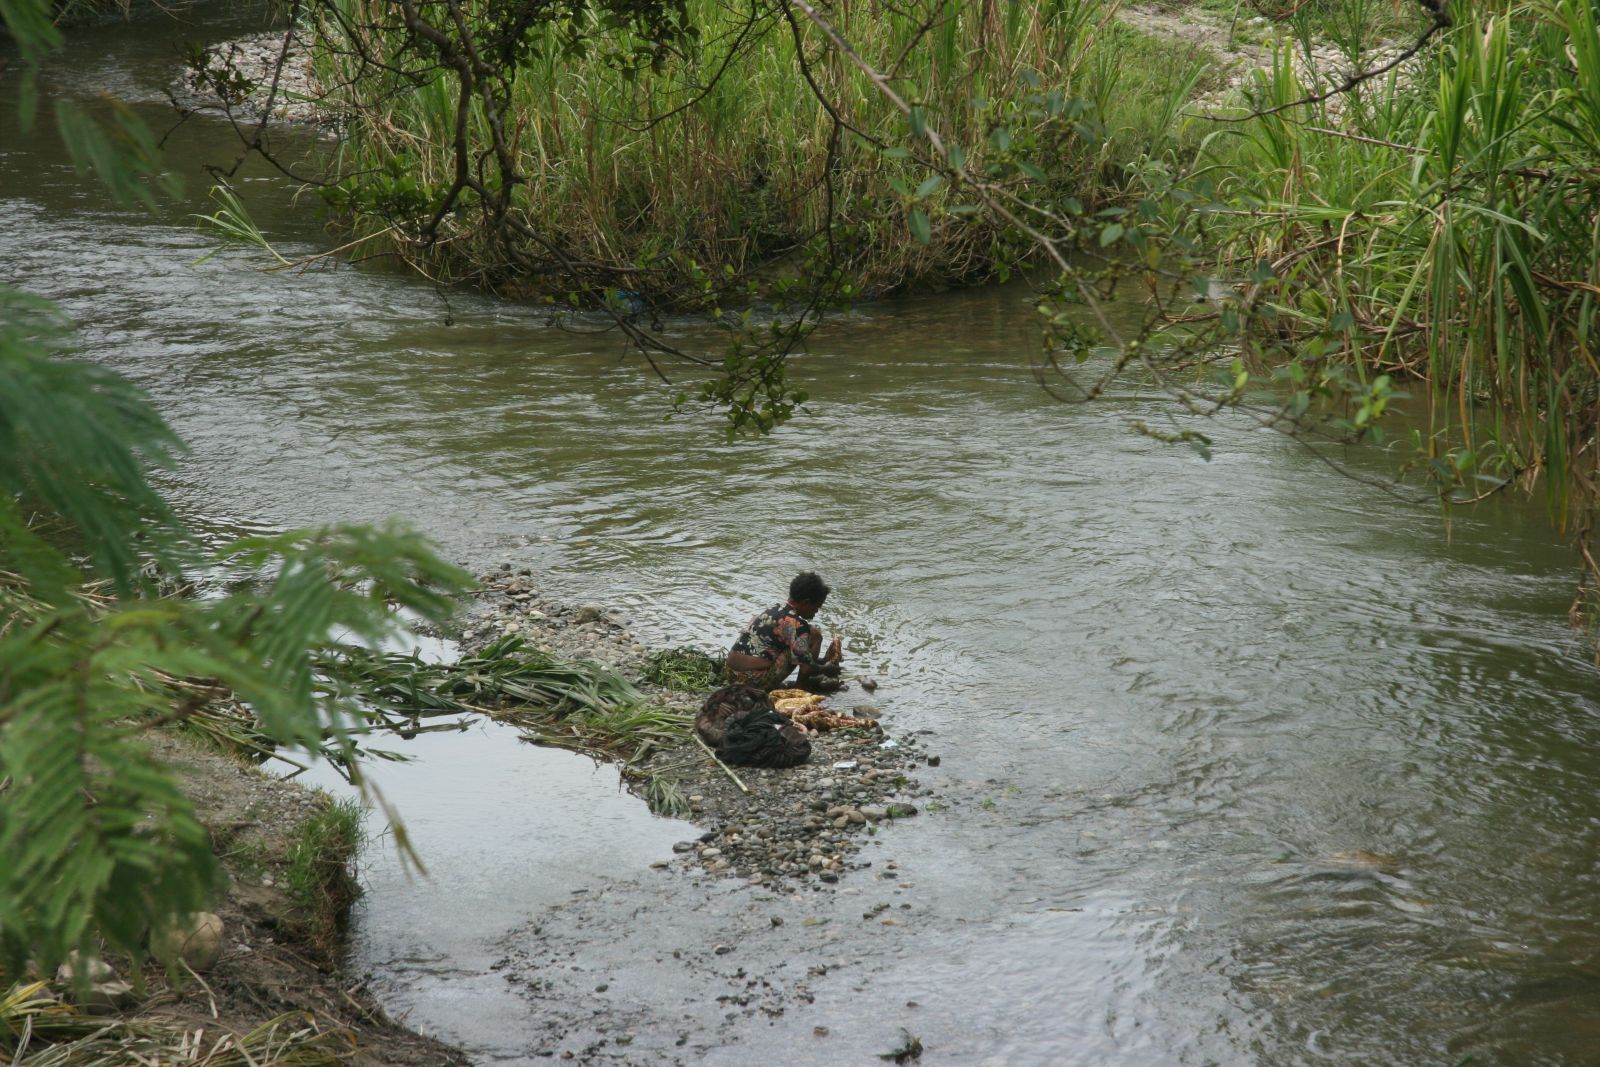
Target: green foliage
[(1438, 223), (716, 158), (685, 668), (505, 674), (76, 441), (320, 876), (95, 647)]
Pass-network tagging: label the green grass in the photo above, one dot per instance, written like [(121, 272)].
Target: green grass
[(320, 875), (686, 669)]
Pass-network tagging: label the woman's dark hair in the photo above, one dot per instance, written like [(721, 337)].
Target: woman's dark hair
[(808, 588)]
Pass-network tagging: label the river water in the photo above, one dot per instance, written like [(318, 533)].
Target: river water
[(1243, 761)]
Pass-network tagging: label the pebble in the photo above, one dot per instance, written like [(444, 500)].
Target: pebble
[(92, 967)]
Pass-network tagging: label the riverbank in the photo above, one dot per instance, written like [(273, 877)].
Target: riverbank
[(273, 989)]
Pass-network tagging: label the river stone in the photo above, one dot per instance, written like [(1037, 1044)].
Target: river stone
[(902, 811), (91, 967), (683, 846), (875, 812), (857, 817), (104, 998), (588, 613), (195, 940)]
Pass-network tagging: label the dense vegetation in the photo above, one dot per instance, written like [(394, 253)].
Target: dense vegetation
[(1438, 226), (740, 149)]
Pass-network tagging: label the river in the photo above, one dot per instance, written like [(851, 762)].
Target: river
[(1243, 761)]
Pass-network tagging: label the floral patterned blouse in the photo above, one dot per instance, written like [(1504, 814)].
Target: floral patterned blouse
[(775, 631)]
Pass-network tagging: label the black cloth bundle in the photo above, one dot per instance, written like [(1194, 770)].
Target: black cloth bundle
[(742, 727)]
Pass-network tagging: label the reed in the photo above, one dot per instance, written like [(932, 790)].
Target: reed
[(1441, 226), (722, 162)]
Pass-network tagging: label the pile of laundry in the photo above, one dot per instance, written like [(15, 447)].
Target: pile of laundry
[(747, 727)]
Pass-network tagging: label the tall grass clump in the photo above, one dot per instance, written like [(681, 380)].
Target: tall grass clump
[(756, 147), (320, 876), (1442, 224)]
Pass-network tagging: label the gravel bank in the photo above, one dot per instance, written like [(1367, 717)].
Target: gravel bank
[(795, 828)]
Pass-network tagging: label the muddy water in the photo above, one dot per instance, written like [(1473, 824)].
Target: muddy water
[(1243, 762)]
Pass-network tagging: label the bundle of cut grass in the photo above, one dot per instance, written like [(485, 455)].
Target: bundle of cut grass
[(685, 668)]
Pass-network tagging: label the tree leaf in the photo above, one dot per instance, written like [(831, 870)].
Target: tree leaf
[(921, 228)]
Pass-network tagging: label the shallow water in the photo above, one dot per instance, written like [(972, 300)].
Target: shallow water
[(1243, 761)]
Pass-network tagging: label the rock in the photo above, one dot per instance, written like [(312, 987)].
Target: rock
[(829, 877), (856, 817), (902, 811), (866, 711), (104, 998), (588, 613), (875, 812), (683, 846), (723, 950), (196, 941), (92, 967)]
